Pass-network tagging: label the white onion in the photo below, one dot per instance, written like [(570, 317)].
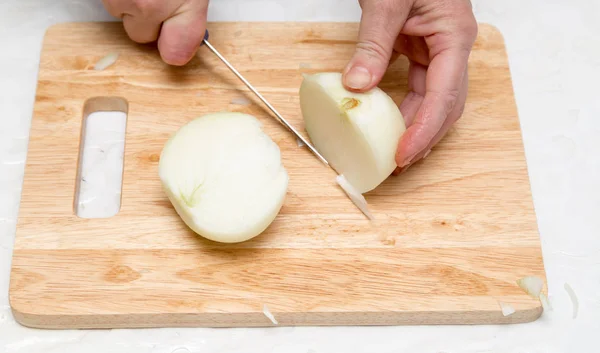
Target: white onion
[(224, 176), (574, 299), (106, 61), (300, 143), (357, 133), (532, 285), (268, 314), (305, 65), (507, 309), (357, 198)]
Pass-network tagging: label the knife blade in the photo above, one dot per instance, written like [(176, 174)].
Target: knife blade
[(260, 96)]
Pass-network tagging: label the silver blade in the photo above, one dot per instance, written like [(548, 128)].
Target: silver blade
[(281, 119)]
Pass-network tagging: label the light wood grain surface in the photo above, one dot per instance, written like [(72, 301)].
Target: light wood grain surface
[(451, 236)]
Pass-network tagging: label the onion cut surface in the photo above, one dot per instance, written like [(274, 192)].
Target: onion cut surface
[(224, 176), (358, 133)]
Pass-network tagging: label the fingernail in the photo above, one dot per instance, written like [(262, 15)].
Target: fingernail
[(358, 78)]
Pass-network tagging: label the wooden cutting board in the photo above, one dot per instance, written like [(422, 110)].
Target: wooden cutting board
[(451, 236)]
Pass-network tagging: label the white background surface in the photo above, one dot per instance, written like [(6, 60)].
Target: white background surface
[(554, 53)]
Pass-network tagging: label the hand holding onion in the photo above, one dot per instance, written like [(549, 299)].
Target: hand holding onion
[(231, 192), (437, 37)]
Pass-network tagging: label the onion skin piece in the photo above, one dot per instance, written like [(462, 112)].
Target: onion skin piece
[(545, 302), (106, 61), (357, 198), (269, 315), (574, 299), (532, 285)]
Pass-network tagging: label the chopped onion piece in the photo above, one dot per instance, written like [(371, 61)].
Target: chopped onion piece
[(106, 61), (269, 315), (507, 309), (573, 299), (545, 302), (300, 143), (240, 101), (305, 65), (357, 198), (532, 285)]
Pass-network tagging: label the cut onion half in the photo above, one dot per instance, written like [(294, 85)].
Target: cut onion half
[(357, 133), (224, 176)]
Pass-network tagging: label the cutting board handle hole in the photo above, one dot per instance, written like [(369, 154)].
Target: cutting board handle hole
[(101, 151)]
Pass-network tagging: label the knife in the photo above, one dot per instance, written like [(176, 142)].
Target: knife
[(281, 118)]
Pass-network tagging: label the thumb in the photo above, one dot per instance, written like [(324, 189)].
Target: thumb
[(182, 33), (380, 25)]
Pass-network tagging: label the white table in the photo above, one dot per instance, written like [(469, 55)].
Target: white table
[(554, 53)]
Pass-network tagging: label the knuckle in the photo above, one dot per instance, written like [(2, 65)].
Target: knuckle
[(383, 6), (373, 50), (451, 97), (448, 100), (387, 7), (449, 7), (459, 112), (374, 5), (463, 19), (469, 27), (146, 7)]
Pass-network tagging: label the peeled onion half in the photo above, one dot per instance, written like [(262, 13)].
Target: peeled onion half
[(224, 176), (358, 133)]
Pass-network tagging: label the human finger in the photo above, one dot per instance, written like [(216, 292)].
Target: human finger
[(141, 30), (142, 19), (443, 83), (453, 117), (380, 24), (414, 48), (182, 34), (416, 91)]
